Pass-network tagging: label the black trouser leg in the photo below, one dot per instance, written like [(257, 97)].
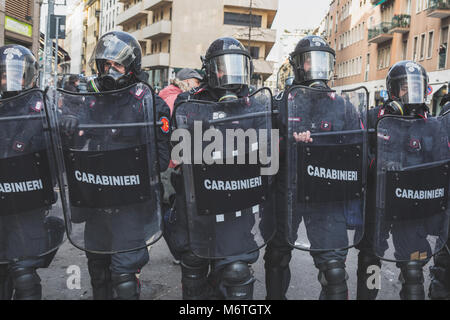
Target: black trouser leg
[(365, 260), (411, 276), (98, 266), (278, 274)]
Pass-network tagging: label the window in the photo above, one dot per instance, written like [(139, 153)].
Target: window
[(430, 44), (366, 75), (414, 57), (168, 46), (404, 49), (240, 19), (254, 52), (384, 57), (443, 47), (422, 46)]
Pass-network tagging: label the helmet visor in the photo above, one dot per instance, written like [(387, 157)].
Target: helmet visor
[(17, 75), (409, 89), (112, 48), (316, 65), (228, 70)]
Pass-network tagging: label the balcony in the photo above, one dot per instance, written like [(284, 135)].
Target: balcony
[(271, 5), (135, 12), (258, 34), (156, 60), (438, 9), (400, 23), (263, 67), (158, 29), (155, 4), (380, 33), (138, 35)]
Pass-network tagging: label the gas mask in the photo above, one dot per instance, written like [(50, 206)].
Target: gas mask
[(110, 81)]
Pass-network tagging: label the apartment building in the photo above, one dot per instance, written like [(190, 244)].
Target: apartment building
[(91, 32), (19, 23), (110, 9), (369, 36), (175, 33)]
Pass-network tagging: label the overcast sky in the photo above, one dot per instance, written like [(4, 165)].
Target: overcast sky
[(297, 14)]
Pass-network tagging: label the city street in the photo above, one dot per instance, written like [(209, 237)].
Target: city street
[(161, 279)]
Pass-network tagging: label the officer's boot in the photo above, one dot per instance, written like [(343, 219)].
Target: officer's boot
[(100, 279), (6, 288), (194, 281), (126, 286), (440, 276), (26, 283), (333, 278), (237, 281), (365, 260), (411, 277), (278, 274)]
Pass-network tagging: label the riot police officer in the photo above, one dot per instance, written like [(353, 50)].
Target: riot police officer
[(29, 235), (440, 272), (407, 84), (322, 110), (117, 61), (224, 90)]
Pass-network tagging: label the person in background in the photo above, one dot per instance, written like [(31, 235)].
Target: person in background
[(185, 80)]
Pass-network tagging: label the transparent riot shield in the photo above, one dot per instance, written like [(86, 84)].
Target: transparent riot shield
[(108, 160), (325, 177), (31, 223), (226, 150), (412, 212)]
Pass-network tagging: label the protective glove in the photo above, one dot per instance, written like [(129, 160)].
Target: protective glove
[(69, 123)]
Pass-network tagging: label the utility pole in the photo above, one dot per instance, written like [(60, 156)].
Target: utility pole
[(48, 47)]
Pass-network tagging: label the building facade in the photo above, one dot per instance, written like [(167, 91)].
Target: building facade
[(19, 23), (175, 33), (369, 36), (110, 9)]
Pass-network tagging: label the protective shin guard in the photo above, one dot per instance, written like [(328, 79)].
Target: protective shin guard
[(100, 279), (194, 282), (365, 260), (440, 277), (411, 277), (6, 288), (278, 274), (26, 283), (126, 286), (237, 281), (333, 278)]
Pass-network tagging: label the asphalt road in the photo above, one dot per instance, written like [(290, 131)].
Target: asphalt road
[(160, 278)]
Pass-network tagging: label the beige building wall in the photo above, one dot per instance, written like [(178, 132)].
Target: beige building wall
[(364, 55), (175, 33), (92, 31)]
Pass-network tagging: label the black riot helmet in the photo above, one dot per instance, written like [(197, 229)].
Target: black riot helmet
[(121, 48), (18, 70), (228, 65), (407, 83), (312, 60)]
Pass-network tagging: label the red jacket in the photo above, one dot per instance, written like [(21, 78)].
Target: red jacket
[(169, 94)]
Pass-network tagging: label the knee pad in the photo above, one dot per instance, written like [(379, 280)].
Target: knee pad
[(237, 281), (100, 279), (333, 278), (440, 277), (194, 272), (26, 283), (126, 286), (411, 277)]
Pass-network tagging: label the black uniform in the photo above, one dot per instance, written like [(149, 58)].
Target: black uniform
[(123, 227), (25, 236), (322, 113), (197, 284)]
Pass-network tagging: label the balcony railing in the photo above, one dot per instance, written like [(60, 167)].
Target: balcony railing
[(400, 23), (380, 33), (438, 9)]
